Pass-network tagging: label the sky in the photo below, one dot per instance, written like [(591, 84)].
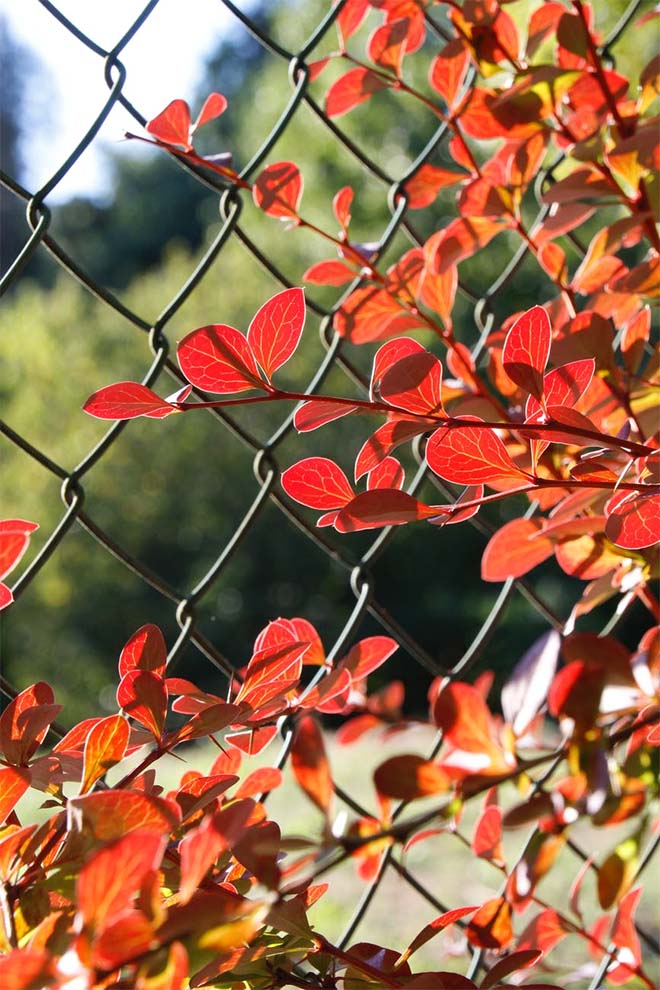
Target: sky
[(164, 61)]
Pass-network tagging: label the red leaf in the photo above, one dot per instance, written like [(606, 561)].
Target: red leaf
[(258, 849), (317, 412), (350, 17), (310, 764), (564, 385), (208, 721), (14, 782), (172, 125), (143, 695), (386, 438), (407, 777), (278, 190), (370, 314), (368, 655), (275, 330), (6, 596), (522, 959), (414, 384), (202, 845), (24, 722), (127, 400), (526, 350), (126, 938), (576, 691), (543, 932), (252, 741), (448, 70), (624, 936), (432, 929), (542, 24), (110, 879), (633, 523), (317, 482), (387, 44), (111, 814), (471, 456), (341, 206), (490, 928), (387, 356), (214, 105), (145, 650), (329, 273), (105, 746), (278, 664), (459, 240), (13, 838), (487, 837), (351, 89), (388, 474), (21, 968), (427, 182), (382, 507), (263, 780), (219, 359), (14, 539)]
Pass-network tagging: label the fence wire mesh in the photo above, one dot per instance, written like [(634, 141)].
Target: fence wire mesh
[(365, 597)]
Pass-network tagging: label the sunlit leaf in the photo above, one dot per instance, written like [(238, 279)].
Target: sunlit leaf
[(278, 190), (275, 330)]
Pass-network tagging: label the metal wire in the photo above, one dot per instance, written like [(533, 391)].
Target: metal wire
[(357, 569)]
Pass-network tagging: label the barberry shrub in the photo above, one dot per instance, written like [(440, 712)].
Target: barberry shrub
[(126, 884)]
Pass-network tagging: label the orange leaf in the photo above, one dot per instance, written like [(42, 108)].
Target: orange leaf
[(490, 928), (145, 650), (110, 879), (111, 814), (14, 782), (407, 777), (310, 764), (104, 747), (515, 549)]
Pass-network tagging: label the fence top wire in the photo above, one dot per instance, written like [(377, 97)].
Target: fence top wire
[(357, 567)]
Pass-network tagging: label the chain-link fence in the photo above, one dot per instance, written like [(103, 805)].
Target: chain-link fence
[(366, 599)]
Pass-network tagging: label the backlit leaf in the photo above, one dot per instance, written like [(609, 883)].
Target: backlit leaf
[(371, 313), (142, 694), (448, 70), (438, 291), (14, 539), (172, 125), (487, 837), (515, 549), (145, 650), (275, 330), (472, 455), (414, 384), (278, 190), (127, 400), (214, 105), (14, 782), (218, 358), (490, 928), (111, 814), (24, 722), (407, 777), (634, 523), (315, 413), (368, 655), (317, 482), (467, 725), (427, 182), (110, 879), (387, 44), (332, 272), (382, 507), (310, 764), (388, 474), (526, 350), (543, 932), (459, 240), (105, 746), (202, 845), (434, 928), (387, 438), (354, 87)]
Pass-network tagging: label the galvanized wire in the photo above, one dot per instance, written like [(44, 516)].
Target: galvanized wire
[(358, 569)]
